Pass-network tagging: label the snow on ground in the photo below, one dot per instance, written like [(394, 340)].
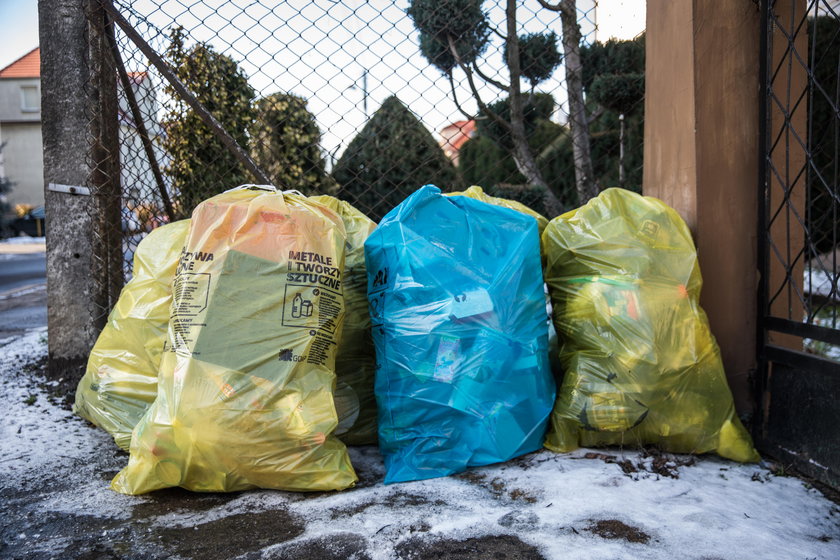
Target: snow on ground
[(26, 290), (591, 504), (14, 247), (821, 283), (23, 240)]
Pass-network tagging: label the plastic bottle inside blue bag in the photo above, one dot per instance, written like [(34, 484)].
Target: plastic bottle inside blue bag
[(457, 303)]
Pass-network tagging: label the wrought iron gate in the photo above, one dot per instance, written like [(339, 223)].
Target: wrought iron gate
[(799, 232)]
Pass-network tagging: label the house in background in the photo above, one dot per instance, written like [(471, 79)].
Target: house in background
[(454, 136), (20, 129), (136, 176)]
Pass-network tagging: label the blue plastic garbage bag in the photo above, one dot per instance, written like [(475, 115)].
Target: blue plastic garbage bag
[(457, 305)]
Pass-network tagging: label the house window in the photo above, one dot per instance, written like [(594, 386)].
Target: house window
[(30, 99)]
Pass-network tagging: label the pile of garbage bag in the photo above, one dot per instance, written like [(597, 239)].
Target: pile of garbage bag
[(258, 338), (459, 324), (641, 364)]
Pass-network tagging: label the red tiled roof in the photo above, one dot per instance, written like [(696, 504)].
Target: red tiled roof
[(27, 66), (137, 77), (456, 134), (461, 124)]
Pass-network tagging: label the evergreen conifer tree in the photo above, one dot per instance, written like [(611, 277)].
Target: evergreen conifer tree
[(389, 159), (200, 166), (285, 142)]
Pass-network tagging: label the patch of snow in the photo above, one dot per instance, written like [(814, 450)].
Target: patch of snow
[(821, 283), (556, 497), (716, 508), (14, 256), (24, 240), (26, 290), (36, 435)]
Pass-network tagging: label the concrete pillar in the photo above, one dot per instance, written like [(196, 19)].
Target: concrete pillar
[(65, 78), (701, 156)]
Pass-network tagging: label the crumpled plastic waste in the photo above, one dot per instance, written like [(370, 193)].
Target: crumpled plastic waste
[(120, 381), (641, 364), (245, 387), (459, 324), (355, 362), (478, 193)]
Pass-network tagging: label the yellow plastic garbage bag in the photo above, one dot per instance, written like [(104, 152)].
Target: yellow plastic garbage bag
[(355, 362), (121, 377), (478, 193), (245, 387), (641, 365)]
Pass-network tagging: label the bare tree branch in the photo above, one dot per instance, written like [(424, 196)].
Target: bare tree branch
[(551, 7), (481, 105), (497, 32), (488, 79), (585, 181), (455, 98), (596, 114), (522, 154)]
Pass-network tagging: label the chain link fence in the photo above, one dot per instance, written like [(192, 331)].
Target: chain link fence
[(802, 170), (363, 100)]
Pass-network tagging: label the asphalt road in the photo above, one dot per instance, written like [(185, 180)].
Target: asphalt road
[(17, 271), (23, 294)]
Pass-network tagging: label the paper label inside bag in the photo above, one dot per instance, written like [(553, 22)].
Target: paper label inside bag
[(473, 302)]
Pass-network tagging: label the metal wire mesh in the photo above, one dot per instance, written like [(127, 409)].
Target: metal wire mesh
[(338, 98), (803, 170)]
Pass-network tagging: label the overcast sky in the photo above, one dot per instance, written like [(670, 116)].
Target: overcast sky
[(319, 49)]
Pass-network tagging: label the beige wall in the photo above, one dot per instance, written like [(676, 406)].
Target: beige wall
[(11, 106), (23, 162), (22, 158)]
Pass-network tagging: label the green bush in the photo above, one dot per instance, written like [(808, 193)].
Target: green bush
[(538, 56), (389, 159), (439, 21), (535, 108), (285, 143), (612, 57), (486, 161), (620, 93), (201, 166)]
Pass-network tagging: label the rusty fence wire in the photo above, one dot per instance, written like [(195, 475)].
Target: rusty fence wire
[(363, 100)]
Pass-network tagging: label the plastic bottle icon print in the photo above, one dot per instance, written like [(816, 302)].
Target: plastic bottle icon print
[(301, 307)]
